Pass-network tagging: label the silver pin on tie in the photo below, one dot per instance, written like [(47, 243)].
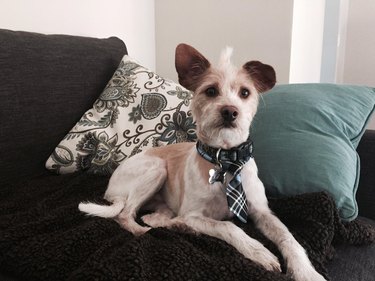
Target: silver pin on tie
[(215, 175)]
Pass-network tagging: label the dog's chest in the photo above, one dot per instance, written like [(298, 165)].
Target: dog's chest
[(187, 190), (200, 196), (215, 204)]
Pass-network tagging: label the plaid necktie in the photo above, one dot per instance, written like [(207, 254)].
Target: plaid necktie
[(236, 198), (230, 161)]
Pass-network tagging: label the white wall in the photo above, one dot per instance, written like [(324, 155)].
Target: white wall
[(257, 29), (360, 48), (334, 41), (132, 21), (307, 41), (359, 65)]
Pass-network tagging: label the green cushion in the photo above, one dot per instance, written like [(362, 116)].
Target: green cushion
[(305, 138)]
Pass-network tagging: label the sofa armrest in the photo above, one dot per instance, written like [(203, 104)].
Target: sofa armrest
[(46, 83), (366, 189)]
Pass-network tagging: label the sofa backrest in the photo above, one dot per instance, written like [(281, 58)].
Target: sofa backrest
[(46, 83)]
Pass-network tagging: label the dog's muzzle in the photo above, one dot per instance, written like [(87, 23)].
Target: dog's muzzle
[(229, 115)]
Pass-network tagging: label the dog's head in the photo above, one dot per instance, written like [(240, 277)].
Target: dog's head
[(225, 97)]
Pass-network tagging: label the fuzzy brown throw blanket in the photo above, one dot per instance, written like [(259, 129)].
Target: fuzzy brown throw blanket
[(43, 236)]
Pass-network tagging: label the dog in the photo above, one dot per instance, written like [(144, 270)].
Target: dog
[(193, 185)]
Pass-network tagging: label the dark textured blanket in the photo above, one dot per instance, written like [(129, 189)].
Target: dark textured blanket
[(43, 236)]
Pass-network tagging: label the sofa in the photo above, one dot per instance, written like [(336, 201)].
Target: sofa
[(47, 82)]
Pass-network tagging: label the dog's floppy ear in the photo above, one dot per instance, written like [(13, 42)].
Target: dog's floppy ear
[(190, 66), (263, 75)]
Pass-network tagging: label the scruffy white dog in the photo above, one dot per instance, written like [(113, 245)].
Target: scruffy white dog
[(200, 186)]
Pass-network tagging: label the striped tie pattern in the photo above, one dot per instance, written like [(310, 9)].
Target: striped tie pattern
[(236, 198)]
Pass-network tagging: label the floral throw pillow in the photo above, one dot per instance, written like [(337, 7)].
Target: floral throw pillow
[(137, 109)]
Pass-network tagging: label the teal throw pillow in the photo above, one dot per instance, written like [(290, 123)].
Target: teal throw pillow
[(305, 138)]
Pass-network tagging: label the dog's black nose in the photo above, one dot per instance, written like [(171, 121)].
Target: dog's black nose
[(229, 113)]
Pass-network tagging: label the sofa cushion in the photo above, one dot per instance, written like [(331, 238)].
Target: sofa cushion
[(47, 81), (138, 109), (353, 262), (305, 138)]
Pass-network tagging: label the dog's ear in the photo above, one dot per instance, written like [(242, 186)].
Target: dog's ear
[(190, 66), (263, 75)]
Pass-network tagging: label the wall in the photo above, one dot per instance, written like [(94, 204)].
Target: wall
[(257, 29), (359, 65), (132, 21), (334, 41), (307, 41), (360, 47)]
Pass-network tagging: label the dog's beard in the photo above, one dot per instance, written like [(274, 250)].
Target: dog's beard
[(227, 124), (220, 135)]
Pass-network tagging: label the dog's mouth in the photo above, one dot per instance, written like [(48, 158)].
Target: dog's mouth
[(227, 124)]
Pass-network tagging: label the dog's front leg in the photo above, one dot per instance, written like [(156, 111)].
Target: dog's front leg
[(227, 231), (298, 264)]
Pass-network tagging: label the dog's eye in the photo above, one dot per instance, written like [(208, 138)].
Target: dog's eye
[(211, 92), (244, 93)]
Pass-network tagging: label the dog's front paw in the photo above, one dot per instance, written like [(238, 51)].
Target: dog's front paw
[(268, 260), (310, 274), (262, 256)]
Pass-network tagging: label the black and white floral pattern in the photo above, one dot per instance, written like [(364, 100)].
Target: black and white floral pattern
[(137, 109)]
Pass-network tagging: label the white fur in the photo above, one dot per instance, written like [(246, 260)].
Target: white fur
[(225, 59), (102, 210), (172, 182)]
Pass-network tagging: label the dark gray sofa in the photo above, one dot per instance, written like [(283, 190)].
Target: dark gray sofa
[(46, 84)]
